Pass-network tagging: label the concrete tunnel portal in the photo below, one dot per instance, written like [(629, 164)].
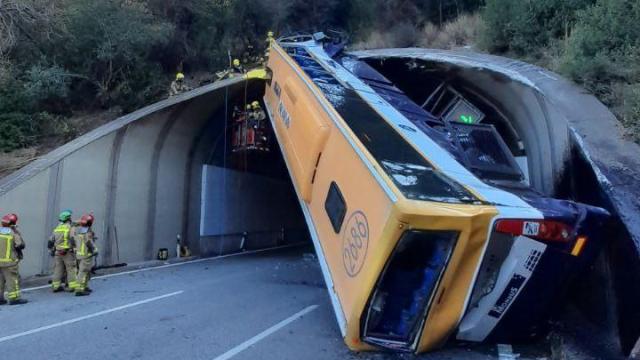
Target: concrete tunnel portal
[(158, 173), (168, 169)]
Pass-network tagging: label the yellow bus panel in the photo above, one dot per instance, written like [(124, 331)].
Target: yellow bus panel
[(357, 217)]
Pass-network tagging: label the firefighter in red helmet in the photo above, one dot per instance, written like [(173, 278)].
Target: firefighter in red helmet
[(86, 250), (11, 246)]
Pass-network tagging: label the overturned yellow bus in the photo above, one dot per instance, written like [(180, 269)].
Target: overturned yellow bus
[(415, 246)]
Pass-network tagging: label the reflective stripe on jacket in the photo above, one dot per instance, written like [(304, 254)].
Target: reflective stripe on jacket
[(9, 240), (61, 236), (85, 247)]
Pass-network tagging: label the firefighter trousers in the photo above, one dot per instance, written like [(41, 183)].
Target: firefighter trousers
[(10, 280), (84, 274), (61, 264)]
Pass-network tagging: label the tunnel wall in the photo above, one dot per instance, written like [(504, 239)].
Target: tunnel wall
[(576, 149), (242, 192), (140, 175)]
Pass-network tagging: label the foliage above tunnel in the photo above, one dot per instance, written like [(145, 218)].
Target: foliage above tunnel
[(62, 56)]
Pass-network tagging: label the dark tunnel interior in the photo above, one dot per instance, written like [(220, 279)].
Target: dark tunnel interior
[(249, 199)]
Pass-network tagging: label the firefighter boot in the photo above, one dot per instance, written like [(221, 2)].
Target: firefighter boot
[(82, 292), (18, 301)]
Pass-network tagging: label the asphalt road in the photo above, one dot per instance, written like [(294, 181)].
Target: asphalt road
[(267, 305)]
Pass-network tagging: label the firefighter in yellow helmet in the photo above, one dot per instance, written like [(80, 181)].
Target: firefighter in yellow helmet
[(178, 86), (86, 250), (11, 246), (268, 41), (258, 114), (61, 245), (236, 68)]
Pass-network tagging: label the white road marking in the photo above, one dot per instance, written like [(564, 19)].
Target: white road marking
[(81, 318), (172, 265), (247, 344)]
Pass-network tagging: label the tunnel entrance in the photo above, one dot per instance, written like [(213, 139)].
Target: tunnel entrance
[(555, 163), (441, 91), (247, 198)]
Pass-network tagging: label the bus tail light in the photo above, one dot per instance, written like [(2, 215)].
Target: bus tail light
[(545, 230)]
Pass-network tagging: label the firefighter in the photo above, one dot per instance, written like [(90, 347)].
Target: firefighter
[(86, 250), (11, 246), (257, 112), (61, 245), (269, 40), (178, 86), (236, 68)]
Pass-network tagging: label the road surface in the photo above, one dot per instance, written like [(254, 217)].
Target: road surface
[(265, 305)]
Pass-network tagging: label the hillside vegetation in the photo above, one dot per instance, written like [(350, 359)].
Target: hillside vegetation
[(59, 58)]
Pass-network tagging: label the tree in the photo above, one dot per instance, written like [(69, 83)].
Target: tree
[(24, 18), (109, 43)]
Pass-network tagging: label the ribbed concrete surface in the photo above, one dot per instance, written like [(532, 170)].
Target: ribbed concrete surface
[(140, 175)]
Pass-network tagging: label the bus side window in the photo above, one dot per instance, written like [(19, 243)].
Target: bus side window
[(335, 206)]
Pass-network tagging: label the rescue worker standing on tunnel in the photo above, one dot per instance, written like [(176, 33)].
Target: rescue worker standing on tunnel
[(178, 86), (86, 250), (61, 243), (236, 68), (268, 41), (11, 246)]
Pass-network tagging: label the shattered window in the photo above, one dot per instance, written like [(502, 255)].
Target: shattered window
[(412, 174)]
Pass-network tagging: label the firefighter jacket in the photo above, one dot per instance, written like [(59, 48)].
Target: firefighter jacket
[(84, 242), (11, 245), (62, 237)]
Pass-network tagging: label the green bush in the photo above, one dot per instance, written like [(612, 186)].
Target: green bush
[(605, 44), (18, 130), (526, 27), (47, 87), (631, 118)]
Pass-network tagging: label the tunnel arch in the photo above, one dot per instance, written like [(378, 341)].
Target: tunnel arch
[(139, 174), (570, 157)]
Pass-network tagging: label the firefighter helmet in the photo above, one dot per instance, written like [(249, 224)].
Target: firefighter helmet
[(9, 220), (236, 62), (255, 105), (248, 106), (179, 76), (87, 220), (270, 34), (65, 215)]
